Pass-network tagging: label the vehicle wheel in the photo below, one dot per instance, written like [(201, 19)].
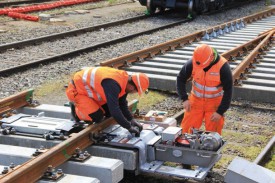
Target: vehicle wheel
[(151, 9), (161, 9), (201, 6)]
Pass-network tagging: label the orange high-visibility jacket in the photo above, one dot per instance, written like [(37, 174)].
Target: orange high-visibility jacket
[(88, 82), (207, 84)]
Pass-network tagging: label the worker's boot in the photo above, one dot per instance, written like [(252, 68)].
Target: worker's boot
[(73, 113)]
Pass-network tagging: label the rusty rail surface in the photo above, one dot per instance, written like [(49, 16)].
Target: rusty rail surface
[(240, 70), (179, 42), (238, 51), (267, 32), (15, 101), (33, 169)]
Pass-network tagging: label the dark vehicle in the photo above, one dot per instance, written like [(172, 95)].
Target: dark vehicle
[(192, 6)]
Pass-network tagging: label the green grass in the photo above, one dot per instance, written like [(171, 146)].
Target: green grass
[(57, 86), (145, 100), (51, 87), (271, 164), (246, 138), (247, 152), (224, 161)]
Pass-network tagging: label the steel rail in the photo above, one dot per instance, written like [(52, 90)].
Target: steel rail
[(179, 42), (33, 169), (266, 32), (265, 154), (12, 70), (239, 71), (21, 99), (74, 32), (240, 50)]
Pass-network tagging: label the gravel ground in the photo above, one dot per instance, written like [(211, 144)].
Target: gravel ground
[(37, 77), (244, 119), (11, 57)]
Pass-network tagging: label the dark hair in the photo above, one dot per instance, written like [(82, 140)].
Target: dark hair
[(132, 83)]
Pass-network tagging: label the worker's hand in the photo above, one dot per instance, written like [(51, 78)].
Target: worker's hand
[(134, 130), (137, 124), (215, 117), (186, 105)]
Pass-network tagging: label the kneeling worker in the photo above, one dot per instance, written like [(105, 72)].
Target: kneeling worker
[(102, 91)]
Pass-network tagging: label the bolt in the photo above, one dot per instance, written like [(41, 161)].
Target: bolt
[(54, 176), (50, 168), (6, 170), (86, 153), (81, 156), (12, 131), (12, 165), (59, 171), (5, 131), (61, 136), (77, 150)]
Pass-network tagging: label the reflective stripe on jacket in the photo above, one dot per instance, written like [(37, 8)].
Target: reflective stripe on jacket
[(207, 84), (88, 81)]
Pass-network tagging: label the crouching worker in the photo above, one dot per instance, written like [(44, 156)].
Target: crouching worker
[(99, 92)]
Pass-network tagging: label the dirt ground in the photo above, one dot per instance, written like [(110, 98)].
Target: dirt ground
[(72, 19)]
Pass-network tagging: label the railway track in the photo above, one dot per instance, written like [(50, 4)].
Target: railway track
[(38, 166), (54, 154), (234, 40), (80, 36)]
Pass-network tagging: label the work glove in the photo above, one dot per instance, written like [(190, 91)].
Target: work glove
[(134, 130), (137, 124)]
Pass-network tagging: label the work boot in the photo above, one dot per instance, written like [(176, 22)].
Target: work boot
[(73, 113)]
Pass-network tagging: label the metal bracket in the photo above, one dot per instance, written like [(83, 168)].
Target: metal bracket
[(51, 174), (9, 168), (39, 151), (79, 156), (8, 131), (127, 64)]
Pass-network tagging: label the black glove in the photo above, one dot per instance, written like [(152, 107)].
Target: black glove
[(134, 130), (134, 123)]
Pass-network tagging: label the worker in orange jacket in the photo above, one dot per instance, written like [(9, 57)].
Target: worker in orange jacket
[(211, 93), (101, 91)]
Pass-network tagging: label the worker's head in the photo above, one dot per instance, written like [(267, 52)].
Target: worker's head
[(204, 55), (140, 82)]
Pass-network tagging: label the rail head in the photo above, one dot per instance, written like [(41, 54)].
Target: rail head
[(34, 169), (243, 67), (21, 99), (140, 55)]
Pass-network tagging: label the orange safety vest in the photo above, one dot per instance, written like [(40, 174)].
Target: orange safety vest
[(88, 82), (207, 84)]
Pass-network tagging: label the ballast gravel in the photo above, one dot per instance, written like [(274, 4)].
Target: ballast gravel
[(36, 77), (53, 72)]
